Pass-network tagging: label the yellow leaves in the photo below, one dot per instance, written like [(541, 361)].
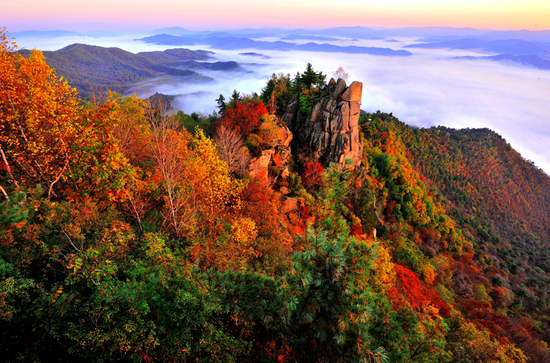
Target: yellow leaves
[(35, 109), (443, 265), (208, 178), (385, 274), (477, 346), (77, 265), (244, 230)]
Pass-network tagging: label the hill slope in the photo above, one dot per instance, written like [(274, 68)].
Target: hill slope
[(89, 67)]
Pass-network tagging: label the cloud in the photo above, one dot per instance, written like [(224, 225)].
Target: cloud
[(426, 89)]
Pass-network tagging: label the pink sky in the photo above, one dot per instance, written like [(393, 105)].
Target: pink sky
[(218, 14)]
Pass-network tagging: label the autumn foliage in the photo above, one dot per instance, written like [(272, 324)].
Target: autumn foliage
[(245, 117), (311, 177), (125, 236)]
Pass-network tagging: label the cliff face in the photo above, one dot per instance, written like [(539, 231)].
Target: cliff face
[(331, 133)]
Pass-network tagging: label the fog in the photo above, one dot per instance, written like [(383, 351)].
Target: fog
[(427, 89)]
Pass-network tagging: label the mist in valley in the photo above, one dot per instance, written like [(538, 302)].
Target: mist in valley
[(429, 88)]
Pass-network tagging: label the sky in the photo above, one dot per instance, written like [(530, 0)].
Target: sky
[(429, 89), (20, 15)]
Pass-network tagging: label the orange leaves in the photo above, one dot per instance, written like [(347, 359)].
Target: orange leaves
[(244, 230), (37, 119), (429, 275), (196, 181), (50, 140), (6, 44), (385, 272)]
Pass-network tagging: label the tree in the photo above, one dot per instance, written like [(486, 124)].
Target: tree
[(37, 118), (310, 79), (235, 97), (170, 153), (312, 177), (276, 92), (50, 139), (221, 104), (340, 73), (232, 149), (321, 308), (245, 117)]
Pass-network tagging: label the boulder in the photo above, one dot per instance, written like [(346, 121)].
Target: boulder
[(283, 136), (353, 93), (278, 153), (290, 204), (355, 108), (258, 166), (339, 89)]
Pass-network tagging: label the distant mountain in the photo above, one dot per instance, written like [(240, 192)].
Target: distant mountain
[(526, 60), (536, 36), (252, 54), (430, 31), (175, 55), (168, 39), (235, 43), (320, 38), (90, 68), (350, 32), (527, 35), (176, 30), (509, 46), (216, 66), (313, 47)]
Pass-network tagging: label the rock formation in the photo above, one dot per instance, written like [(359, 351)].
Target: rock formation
[(331, 133), (276, 151)]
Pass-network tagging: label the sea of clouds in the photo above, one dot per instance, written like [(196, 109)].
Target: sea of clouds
[(426, 89)]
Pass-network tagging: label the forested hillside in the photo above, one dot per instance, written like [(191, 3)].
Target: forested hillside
[(129, 234), (92, 69)]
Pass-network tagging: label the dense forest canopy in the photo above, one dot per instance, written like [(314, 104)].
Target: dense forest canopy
[(132, 234)]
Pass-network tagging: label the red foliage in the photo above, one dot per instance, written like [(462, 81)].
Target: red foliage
[(244, 117), (305, 211), (436, 302), (263, 206), (356, 229), (409, 290), (312, 176)]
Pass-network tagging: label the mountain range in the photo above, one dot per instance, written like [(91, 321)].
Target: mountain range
[(238, 43), (92, 68)]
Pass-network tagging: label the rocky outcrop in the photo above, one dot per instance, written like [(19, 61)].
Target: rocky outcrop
[(291, 112), (259, 166), (277, 138), (331, 133)]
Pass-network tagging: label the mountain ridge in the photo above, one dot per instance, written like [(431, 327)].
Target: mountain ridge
[(88, 67)]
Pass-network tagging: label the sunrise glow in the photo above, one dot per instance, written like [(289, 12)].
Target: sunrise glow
[(512, 15)]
